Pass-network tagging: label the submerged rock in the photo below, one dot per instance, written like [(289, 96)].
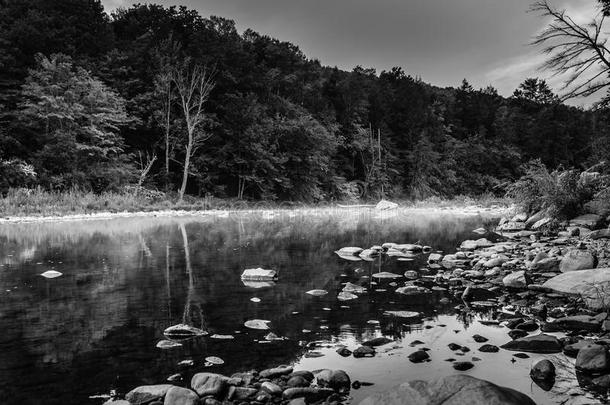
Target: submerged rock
[(451, 390)]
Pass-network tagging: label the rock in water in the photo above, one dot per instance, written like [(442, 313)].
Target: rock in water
[(386, 205), (350, 250), (419, 356), (543, 370), (386, 275), (535, 344), (577, 259), (462, 365), (592, 285), (317, 293), (353, 288), (259, 324), (346, 296), (259, 274), (451, 390), (404, 314), (338, 380), (182, 331), (51, 274), (168, 344)]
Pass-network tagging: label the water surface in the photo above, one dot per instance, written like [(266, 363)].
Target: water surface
[(95, 328)]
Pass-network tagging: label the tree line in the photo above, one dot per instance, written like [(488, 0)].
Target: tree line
[(163, 98)]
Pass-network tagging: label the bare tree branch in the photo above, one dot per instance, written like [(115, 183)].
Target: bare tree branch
[(575, 50)]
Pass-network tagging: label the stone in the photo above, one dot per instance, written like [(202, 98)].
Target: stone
[(276, 372), (477, 294), (489, 349), (517, 333), (462, 365), (271, 388), (298, 381), (590, 221), (311, 394), (338, 380), (147, 393), (572, 349), (181, 396), (479, 339), (364, 351), (209, 384), (593, 358), (591, 285), (575, 323), (534, 344), (546, 264), (518, 279), (419, 356), (379, 341), (386, 205), (528, 326), (242, 393), (599, 234), (543, 370), (452, 390), (577, 259)]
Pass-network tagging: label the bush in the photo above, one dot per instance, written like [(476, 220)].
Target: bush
[(560, 194)]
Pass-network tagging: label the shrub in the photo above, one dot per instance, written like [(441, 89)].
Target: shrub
[(559, 193)]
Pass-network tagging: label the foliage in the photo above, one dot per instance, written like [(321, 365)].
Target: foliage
[(278, 125), (558, 193), (78, 119)]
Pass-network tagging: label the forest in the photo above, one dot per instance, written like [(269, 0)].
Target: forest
[(164, 99)]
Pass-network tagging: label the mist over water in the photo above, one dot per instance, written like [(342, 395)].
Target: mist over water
[(95, 328)]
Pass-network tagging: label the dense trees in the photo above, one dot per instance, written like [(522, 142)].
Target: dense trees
[(110, 91)]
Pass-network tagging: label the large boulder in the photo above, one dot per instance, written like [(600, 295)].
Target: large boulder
[(577, 259), (147, 393), (600, 234), (593, 358), (590, 221), (180, 396), (592, 285), (534, 344), (451, 390)]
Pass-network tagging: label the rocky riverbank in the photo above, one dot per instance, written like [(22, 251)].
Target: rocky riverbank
[(546, 283)]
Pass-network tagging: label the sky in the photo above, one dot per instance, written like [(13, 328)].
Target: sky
[(441, 41)]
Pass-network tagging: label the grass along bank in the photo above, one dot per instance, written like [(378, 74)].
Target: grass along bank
[(42, 203)]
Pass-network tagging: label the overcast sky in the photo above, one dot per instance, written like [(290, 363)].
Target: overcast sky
[(441, 41)]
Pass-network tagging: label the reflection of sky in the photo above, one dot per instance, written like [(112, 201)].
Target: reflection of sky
[(126, 280)]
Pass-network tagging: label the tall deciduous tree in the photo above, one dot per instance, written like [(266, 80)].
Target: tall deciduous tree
[(193, 85), (80, 120)]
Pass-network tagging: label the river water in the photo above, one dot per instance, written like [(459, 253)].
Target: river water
[(94, 329)]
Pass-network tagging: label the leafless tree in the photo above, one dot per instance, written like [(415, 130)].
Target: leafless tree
[(193, 85), (146, 163), (576, 50)]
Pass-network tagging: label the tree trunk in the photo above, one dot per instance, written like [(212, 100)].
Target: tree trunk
[(187, 162)]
